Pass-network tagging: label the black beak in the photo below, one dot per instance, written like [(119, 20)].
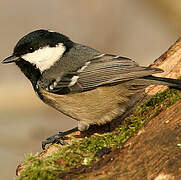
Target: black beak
[(10, 59)]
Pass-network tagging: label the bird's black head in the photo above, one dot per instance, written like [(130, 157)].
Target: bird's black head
[(41, 48), (38, 51), (39, 39)]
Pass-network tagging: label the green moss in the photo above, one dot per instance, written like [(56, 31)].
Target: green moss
[(83, 152)]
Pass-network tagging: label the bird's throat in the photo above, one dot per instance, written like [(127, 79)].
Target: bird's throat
[(29, 70)]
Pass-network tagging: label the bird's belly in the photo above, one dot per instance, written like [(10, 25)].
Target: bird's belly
[(97, 106)]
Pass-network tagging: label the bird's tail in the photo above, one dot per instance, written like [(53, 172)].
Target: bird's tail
[(172, 83)]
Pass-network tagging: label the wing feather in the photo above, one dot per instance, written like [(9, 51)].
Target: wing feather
[(104, 70)]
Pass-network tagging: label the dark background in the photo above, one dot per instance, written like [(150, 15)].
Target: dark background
[(139, 29)]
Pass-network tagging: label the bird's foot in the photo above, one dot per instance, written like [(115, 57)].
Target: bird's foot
[(57, 138)]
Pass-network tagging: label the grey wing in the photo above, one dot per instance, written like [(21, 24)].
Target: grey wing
[(102, 70)]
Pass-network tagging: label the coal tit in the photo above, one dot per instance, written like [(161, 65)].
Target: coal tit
[(79, 81)]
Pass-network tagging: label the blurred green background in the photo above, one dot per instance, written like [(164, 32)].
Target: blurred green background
[(139, 29)]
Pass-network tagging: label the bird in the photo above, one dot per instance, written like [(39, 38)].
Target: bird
[(79, 81)]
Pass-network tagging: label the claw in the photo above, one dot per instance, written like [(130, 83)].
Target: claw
[(43, 144), (57, 138)]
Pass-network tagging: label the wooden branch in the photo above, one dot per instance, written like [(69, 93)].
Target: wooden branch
[(170, 62)]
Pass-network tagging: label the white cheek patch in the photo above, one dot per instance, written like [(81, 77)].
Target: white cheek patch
[(45, 57)]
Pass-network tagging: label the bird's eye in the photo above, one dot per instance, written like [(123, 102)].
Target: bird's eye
[(31, 49)]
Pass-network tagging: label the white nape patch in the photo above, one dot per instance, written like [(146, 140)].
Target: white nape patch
[(45, 57), (73, 80), (83, 67)]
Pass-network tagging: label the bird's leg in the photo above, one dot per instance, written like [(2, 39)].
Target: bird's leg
[(58, 138), (82, 126)]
